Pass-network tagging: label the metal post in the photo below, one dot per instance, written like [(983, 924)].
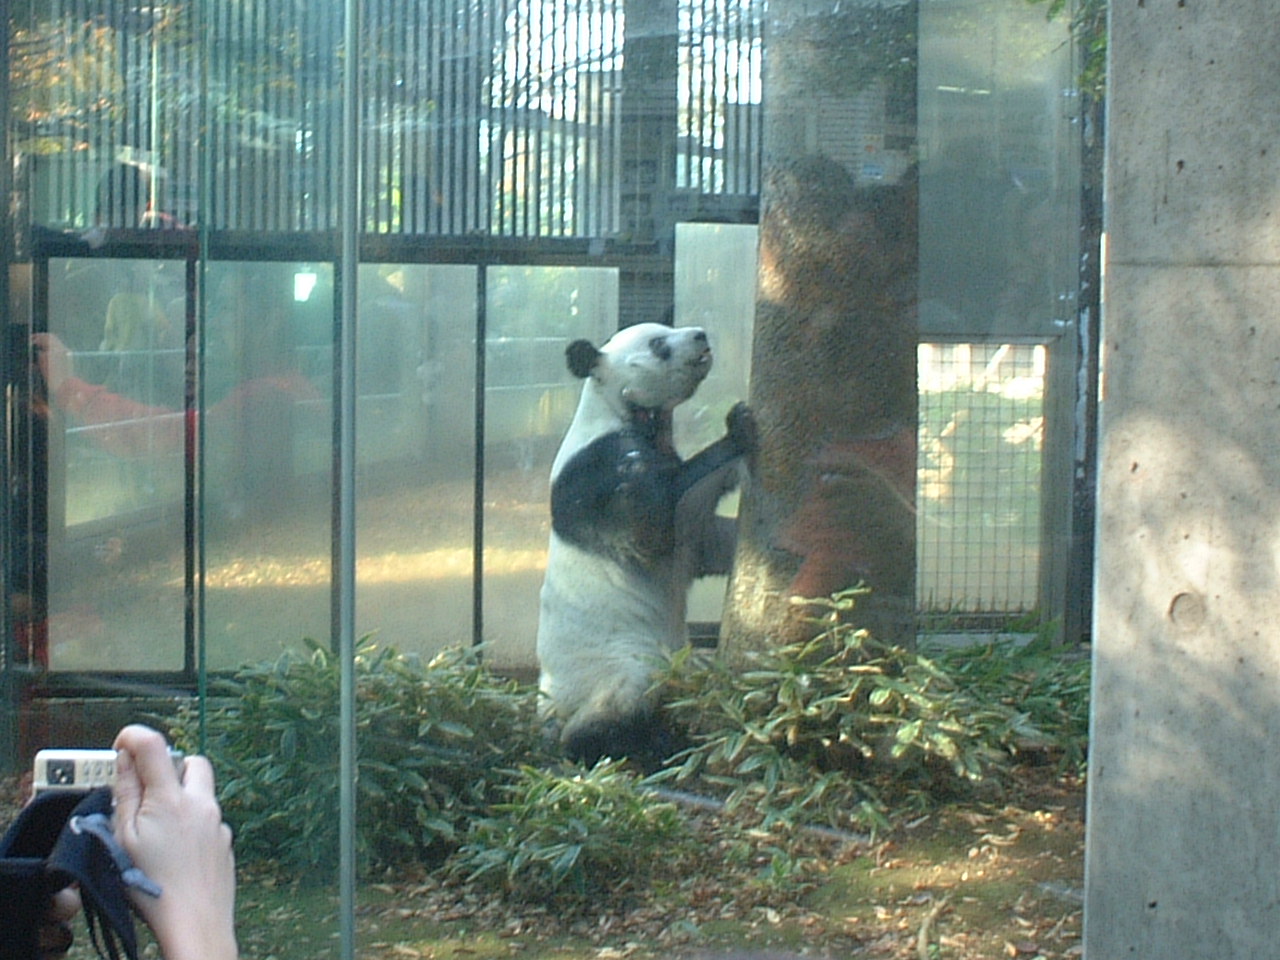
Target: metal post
[(344, 475)]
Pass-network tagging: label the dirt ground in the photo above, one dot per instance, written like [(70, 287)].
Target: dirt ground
[(973, 882), (978, 881)]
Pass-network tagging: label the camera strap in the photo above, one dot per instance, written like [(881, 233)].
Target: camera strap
[(48, 848)]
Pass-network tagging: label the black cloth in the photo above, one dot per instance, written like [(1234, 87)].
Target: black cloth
[(41, 854)]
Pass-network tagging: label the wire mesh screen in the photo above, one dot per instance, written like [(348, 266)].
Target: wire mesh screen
[(979, 491)]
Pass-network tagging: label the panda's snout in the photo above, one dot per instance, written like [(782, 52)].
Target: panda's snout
[(701, 349)]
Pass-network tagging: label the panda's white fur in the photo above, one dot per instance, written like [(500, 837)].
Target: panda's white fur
[(632, 526)]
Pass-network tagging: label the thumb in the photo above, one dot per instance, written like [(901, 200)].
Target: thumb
[(128, 790)]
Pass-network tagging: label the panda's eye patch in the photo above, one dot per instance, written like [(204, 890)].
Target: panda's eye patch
[(659, 347)]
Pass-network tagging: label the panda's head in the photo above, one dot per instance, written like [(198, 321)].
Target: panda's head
[(647, 366)]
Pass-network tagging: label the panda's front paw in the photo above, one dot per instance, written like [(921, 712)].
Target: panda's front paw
[(741, 426)]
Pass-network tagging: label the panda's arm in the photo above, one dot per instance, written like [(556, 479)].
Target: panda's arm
[(615, 496), (739, 441)]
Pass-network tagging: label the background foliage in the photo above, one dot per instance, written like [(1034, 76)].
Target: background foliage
[(840, 731), (437, 741), (847, 731), (574, 832)]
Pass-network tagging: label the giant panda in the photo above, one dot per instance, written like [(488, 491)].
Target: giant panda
[(632, 524)]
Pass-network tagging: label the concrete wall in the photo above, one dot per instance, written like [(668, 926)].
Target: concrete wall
[(1184, 810)]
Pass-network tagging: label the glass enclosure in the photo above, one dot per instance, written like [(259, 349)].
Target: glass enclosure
[(532, 172)]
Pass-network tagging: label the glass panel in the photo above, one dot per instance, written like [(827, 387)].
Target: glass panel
[(416, 442), (531, 315), (999, 169), (268, 397), (714, 265), (115, 469), (528, 171)]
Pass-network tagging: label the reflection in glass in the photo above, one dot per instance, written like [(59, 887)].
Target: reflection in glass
[(531, 315), (534, 172), (115, 471), (715, 267), (268, 372), (415, 441)]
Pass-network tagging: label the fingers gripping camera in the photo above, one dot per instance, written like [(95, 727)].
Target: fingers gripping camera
[(80, 770)]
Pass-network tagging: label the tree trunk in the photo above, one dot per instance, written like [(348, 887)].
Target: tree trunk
[(830, 502)]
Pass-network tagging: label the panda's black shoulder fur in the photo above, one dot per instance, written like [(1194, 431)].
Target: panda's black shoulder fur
[(616, 497)]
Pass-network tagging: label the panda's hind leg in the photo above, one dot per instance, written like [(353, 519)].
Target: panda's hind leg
[(706, 540), (622, 720), (644, 737)]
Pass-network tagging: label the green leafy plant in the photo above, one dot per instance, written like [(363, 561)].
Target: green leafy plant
[(436, 743), (572, 834), (841, 728), (1050, 689), (1089, 30)]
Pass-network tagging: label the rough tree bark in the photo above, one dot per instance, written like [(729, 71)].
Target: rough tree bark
[(831, 498)]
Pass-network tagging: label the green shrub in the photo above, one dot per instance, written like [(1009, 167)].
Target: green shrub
[(435, 743), (1051, 690), (840, 729), (573, 835)]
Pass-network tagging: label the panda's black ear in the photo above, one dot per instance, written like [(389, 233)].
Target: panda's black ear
[(582, 356)]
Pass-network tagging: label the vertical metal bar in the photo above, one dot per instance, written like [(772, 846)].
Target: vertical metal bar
[(295, 181), (555, 34), (435, 94), (382, 137), (397, 118), (213, 171), (371, 144), (583, 118), (282, 65), (425, 95), (479, 68), (502, 138), (192, 661), (270, 157), (695, 72), (380, 164), (598, 182), (458, 138), (468, 119), (737, 101), (16, 384), (204, 176), (231, 175), (617, 53), (719, 82), (484, 111), (477, 510), (250, 169), (451, 201), (520, 120), (567, 32), (344, 476), (537, 117), (409, 195), (15, 377)]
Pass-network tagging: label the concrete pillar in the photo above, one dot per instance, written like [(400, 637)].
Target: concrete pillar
[(1183, 857)]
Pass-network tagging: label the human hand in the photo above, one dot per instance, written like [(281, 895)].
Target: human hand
[(53, 358), (174, 832), (54, 934)]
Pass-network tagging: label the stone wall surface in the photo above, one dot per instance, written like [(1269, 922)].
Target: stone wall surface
[(1184, 806)]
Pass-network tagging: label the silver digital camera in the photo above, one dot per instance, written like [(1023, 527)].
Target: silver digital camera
[(80, 770)]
